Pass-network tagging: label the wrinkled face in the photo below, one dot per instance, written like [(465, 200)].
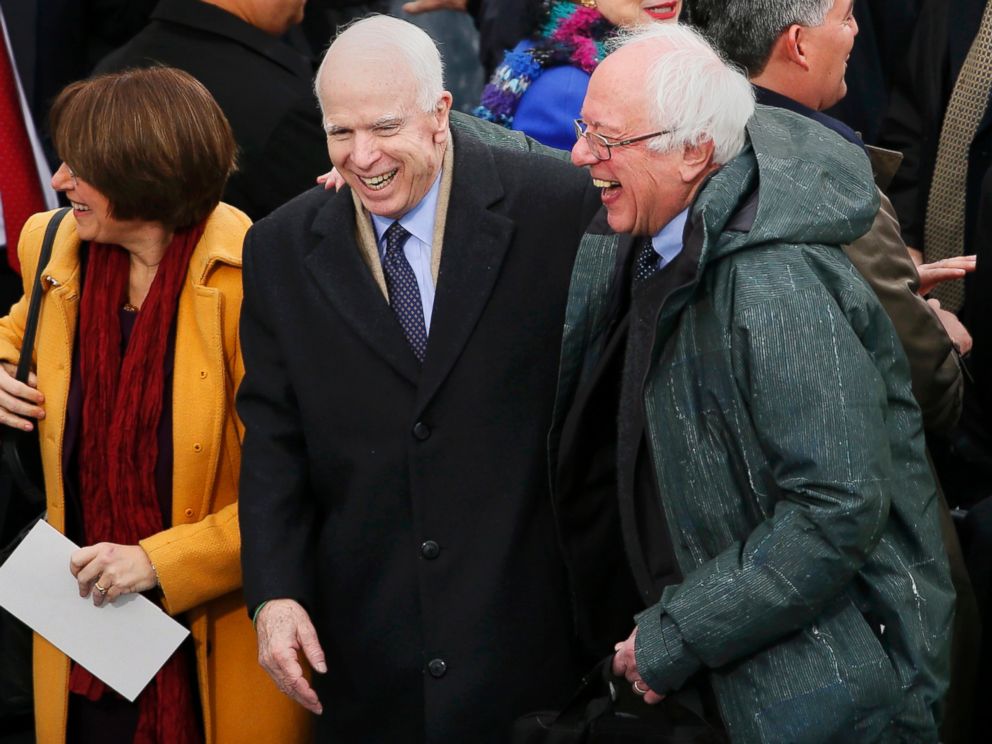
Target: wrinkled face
[(642, 190), (633, 12), (827, 48), (387, 149), (91, 210)]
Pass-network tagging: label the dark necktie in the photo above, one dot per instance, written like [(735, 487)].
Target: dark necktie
[(647, 263), (404, 294)]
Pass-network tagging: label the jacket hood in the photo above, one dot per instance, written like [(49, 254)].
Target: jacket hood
[(795, 182)]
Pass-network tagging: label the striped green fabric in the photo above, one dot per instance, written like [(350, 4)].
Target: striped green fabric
[(789, 453)]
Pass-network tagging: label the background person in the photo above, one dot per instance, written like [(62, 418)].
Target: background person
[(262, 84), (539, 86), (133, 397)]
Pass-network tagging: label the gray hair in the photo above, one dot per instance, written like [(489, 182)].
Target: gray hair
[(692, 91), (394, 44), (746, 30)]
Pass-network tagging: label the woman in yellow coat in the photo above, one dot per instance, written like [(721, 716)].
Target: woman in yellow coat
[(137, 365)]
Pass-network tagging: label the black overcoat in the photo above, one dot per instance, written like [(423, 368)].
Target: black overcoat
[(264, 87), (408, 507)]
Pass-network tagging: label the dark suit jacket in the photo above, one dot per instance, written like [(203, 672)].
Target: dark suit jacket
[(263, 86), (944, 33), (408, 508)]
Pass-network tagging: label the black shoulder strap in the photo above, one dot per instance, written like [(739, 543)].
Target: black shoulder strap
[(34, 309), (11, 437)]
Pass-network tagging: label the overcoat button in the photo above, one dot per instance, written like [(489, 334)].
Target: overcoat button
[(197, 447), (188, 512), (430, 550), (437, 668), (421, 431)]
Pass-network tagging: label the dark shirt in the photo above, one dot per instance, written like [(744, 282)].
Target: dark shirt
[(771, 98)]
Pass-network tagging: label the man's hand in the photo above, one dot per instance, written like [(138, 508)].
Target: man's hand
[(625, 665), (284, 629), (425, 6), (953, 327), (110, 570), (330, 180), (932, 274)]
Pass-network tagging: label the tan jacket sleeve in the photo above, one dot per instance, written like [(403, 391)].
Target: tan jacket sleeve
[(881, 257)]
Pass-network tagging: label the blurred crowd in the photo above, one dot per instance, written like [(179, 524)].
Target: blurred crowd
[(712, 401)]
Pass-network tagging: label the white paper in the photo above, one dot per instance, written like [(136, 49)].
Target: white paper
[(123, 643)]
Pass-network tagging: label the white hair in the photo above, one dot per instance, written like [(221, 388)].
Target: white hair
[(393, 44), (692, 91)]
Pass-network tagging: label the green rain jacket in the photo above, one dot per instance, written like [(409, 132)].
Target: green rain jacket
[(789, 456)]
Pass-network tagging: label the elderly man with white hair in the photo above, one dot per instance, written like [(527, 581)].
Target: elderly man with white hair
[(401, 341), (777, 509)]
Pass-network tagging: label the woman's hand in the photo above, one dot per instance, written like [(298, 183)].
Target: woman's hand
[(19, 402), (110, 570)]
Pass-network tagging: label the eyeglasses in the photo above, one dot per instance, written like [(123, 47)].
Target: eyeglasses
[(600, 147), (72, 175)]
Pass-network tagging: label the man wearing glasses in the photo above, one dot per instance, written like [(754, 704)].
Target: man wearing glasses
[(768, 471)]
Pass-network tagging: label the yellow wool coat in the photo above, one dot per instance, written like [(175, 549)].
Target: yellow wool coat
[(197, 558)]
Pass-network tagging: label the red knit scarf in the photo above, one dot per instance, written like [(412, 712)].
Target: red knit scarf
[(122, 406)]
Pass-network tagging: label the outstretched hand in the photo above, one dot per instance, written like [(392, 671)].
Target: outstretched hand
[(948, 269), (284, 629)]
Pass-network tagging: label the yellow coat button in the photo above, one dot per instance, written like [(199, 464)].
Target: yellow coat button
[(188, 513), (197, 447)]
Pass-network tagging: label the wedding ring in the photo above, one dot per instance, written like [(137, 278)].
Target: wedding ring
[(103, 592), (637, 688)]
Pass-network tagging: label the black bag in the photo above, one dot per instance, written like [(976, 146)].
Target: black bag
[(22, 504), (602, 711)]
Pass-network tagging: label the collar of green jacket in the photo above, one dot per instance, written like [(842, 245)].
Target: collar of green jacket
[(796, 182)]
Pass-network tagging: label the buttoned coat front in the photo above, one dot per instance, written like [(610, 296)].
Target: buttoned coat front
[(407, 507), (197, 557)]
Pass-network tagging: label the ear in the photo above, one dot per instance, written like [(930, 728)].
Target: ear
[(441, 113), (795, 40), (697, 161)]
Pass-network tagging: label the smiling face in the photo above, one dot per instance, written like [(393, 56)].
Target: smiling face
[(633, 12), (642, 190), (827, 48), (387, 149), (92, 211)]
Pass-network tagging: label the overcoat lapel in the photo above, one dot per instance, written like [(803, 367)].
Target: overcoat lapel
[(336, 265), (475, 243)]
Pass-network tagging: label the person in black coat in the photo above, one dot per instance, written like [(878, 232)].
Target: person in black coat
[(944, 34), (394, 500), (263, 86)]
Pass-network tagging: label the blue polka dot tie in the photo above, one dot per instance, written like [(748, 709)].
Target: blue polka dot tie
[(404, 294)]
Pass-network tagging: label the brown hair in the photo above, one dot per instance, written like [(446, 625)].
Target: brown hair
[(153, 141)]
